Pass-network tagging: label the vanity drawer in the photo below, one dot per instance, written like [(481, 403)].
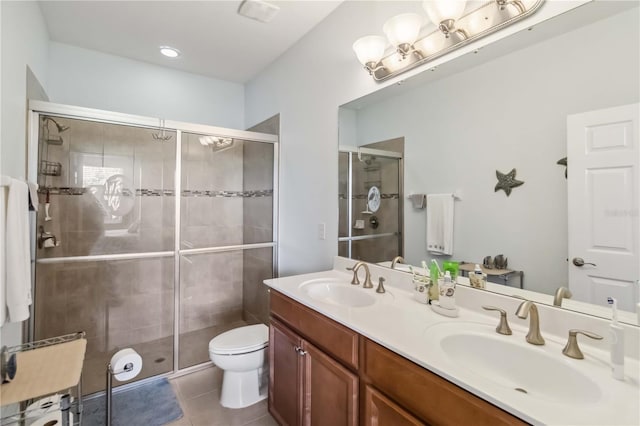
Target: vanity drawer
[(429, 397), (333, 338)]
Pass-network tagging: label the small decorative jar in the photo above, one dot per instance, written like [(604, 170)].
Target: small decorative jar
[(421, 289)]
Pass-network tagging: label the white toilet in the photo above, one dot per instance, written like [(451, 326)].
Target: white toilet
[(241, 354)]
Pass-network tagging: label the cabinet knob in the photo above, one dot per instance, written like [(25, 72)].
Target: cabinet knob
[(299, 350)]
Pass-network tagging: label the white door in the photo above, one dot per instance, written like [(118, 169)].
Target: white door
[(604, 191)]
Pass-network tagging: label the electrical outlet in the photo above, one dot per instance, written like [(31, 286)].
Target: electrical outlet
[(322, 231)]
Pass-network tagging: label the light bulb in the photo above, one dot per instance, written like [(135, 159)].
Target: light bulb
[(402, 30), (478, 21), (443, 10), (369, 49), (431, 44)]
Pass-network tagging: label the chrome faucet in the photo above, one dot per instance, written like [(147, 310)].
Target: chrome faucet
[(367, 275), (397, 259), (528, 308), (561, 293)]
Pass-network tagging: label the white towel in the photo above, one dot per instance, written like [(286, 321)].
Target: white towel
[(440, 223), (17, 282)]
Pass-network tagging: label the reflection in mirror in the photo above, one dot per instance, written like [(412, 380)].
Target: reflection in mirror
[(508, 109), (370, 194)]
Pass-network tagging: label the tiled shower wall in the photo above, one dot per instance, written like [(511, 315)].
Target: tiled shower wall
[(118, 304), (258, 224)]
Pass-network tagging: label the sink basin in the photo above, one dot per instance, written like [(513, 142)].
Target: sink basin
[(538, 371), (339, 293)]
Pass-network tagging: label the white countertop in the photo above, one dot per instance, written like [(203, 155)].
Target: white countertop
[(602, 311), (399, 323)]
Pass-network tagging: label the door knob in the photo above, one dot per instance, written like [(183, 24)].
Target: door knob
[(578, 261)]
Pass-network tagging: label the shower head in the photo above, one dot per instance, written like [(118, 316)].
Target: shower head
[(61, 128)]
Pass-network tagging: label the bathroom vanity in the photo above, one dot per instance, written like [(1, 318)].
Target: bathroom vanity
[(343, 375), (344, 355)]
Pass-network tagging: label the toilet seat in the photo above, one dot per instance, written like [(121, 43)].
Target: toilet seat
[(240, 340)]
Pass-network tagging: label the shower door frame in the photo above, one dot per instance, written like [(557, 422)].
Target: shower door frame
[(39, 108), (356, 151)]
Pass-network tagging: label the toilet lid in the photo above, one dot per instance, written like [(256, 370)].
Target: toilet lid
[(240, 340)]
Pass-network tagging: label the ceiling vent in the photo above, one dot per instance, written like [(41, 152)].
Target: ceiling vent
[(258, 10)]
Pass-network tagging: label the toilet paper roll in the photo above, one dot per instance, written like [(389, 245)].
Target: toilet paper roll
[(41, 407), (126, 364), (52, 419)]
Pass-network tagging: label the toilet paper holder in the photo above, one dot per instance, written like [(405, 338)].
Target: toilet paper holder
[(129, 367)]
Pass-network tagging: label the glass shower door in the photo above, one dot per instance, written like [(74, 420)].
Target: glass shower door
[(226, 238), (105, 234), (370, 205)]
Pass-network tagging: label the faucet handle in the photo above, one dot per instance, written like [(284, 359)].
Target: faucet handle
[(380, 288), (503, 326), (572, 349), (354, 280)]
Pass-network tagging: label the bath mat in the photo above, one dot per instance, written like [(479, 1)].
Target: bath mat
[(151, 404)]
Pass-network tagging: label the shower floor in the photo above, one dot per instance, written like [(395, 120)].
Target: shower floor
[(157, 356)]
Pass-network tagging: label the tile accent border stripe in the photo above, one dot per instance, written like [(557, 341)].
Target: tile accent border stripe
[(166, 192)]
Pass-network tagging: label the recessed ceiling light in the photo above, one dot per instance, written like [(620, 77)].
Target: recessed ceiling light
[(169, 52), (258, 9)]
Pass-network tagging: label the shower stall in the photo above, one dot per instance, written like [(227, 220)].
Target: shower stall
[(370, 199), (150, 234)]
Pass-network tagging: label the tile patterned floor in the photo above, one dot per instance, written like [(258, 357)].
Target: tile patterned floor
[(199, 393)]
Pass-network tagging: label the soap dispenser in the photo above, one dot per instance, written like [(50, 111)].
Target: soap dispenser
[(447, 292)]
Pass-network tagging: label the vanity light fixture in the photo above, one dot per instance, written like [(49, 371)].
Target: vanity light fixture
[(370, 50), (169, 51), (414, 44), (445, 13), (402, 31)]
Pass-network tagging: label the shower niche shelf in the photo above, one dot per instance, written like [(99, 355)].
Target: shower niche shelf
[(50, 168)]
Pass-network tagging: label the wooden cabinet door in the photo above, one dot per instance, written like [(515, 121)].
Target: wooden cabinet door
[(381, 411), (285, 375), (426, 395), (330, 391)]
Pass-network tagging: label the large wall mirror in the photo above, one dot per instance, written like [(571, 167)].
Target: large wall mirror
[(505, 107)]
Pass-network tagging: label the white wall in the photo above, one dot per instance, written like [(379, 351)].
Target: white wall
[(508, 113), (24, 41), (306, 85), (93, 79)]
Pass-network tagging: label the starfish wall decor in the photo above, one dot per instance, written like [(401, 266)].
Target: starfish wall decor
[(506, 182)]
